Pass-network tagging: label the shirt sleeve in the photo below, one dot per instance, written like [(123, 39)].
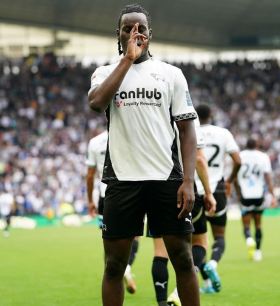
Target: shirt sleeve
[(199, 136), (99, 75), (182, 107), (267, 164), (91, 158), (231, 145)]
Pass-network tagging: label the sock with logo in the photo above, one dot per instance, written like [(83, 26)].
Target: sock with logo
[(247, 232), (198, 254), (133, 252), (203, 274), (218, 248), (258, 238), (160, 277)]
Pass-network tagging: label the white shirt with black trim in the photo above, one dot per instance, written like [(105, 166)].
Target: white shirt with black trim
[(141, 117), (251, 176), (96, 155), (217, 142)]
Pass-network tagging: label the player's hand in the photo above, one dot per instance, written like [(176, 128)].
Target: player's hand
[(136, 43), (227, 188), (210, 203), (274, 203), (185, 198), (91, 209)]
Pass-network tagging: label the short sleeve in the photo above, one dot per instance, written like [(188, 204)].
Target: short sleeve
[(231, 145), (267, 164), (182, 107), (99, 75), (199, 136), (91, 158)]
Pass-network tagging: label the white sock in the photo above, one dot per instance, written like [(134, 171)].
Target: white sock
[(128, 269), (250, 241), (207, 283), (213, 263), (175, 291)]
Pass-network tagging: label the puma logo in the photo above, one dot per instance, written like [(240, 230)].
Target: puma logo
[(188, 220), (161, 284)]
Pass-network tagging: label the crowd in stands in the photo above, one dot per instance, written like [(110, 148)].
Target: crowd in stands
[(45, 122)]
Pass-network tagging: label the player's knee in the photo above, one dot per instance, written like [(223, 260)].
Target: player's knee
[(183, 262), (114, 268)]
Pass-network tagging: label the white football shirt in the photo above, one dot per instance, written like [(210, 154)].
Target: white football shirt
[(142, 144), (96, 156), (251, 176), (217, 142), (6, 202)]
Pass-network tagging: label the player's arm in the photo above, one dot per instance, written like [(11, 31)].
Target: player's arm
[(90, 186), (185, 195), (202, 171), (101, 96), (271, 189), (238, 190), (236, 166)]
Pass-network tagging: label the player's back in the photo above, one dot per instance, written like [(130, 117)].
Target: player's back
[(6, 201), (251, 176), (217, 142)]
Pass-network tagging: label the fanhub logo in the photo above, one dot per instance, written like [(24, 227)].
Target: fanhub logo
[(118, 103), (139, 94)]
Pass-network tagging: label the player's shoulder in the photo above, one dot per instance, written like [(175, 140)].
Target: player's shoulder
[(168, 67), (104, 69), (99, 138)]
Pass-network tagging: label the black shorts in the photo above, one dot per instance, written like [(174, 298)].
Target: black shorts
[(127, 202), (220, 215), (198, 218), (100, 206), (249, 206)]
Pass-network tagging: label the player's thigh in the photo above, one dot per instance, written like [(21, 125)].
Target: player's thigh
[(124, 210), (162, 210), (218, 230)]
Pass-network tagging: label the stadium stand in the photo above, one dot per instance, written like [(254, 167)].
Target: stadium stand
[(45, 122)]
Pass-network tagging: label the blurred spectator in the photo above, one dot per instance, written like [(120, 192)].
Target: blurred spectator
[(45, 122)]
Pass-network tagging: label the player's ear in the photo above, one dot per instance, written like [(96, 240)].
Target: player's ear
[(118, 33), (150, 34)]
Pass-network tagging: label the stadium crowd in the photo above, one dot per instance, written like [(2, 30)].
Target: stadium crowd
[(45, 122)]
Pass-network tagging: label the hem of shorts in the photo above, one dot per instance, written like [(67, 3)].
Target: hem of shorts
[(122, 236), (174, 233), (137, 179), (200, 233)]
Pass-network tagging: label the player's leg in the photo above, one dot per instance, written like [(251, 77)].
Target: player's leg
[(218, 247), (130, 285), (6, 229), (122, 221), (250, 242), (116, 258), (180, 254), (163, 220), (160, 271), (258, 235)]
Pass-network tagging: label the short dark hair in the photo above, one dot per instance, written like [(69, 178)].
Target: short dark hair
[(134, 8), (203, 111), (251, 144)]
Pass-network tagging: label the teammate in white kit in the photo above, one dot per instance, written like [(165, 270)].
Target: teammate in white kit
[(142, 98), (6, 203), (218, 142), (95, 161), (252, 177)]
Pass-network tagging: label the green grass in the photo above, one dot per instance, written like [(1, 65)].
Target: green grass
[(64, 266)]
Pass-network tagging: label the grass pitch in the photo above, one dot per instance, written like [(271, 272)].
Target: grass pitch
[(63, 267)]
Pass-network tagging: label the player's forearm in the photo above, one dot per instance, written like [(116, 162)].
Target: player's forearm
[(269, 183), (90, 187), (202, 171), (101, 96), (188, 148), (236, 166)]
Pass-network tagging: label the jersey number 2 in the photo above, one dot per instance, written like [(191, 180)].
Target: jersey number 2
[(211, 160)]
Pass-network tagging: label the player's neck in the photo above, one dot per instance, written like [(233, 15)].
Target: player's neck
[(205, 122), (142, 58)]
